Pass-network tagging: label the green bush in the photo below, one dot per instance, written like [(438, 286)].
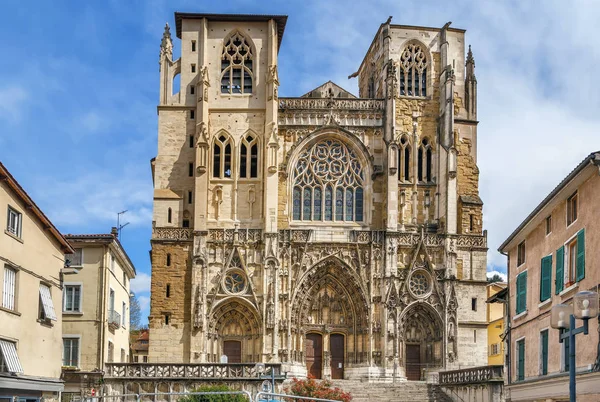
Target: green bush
[(213, 398)]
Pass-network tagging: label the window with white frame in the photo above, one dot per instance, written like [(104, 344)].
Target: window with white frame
[(236, 65), (9, 288), (494, 349), (14, 222), (75, 259), (72, 298), (70, 352), (112, 262)]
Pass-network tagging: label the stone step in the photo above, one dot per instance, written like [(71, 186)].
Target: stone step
[(406, 391)]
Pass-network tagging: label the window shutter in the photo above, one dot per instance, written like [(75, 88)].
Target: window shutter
[(544, 341), (9, 289), (560, 262), (521, 370), (581, 255), (47, 302), (11, 358), (545, 278), (521, 292)]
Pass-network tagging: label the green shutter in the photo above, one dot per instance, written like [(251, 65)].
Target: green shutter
[(521, 292), (521, 362), (544, 341), (560, 262), (546, 278), (581, 255)]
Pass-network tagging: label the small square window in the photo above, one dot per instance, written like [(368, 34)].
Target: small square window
[(572, 209), (192, 114), (186, 223), (548, 224), (14, 222), (193, 46), (193, 68), (192, 89), (521, 254)]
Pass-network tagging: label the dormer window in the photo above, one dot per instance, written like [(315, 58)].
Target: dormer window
[(413, 71), (236, 65)]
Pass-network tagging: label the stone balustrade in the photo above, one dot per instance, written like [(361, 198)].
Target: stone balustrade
[(210, 371), (472, 375), (171, 233), (327, 103)]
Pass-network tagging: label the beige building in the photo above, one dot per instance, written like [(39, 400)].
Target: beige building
[(139, 346), (339, 235), (495, 318), (31, 259), (95, 310), (553, 255)]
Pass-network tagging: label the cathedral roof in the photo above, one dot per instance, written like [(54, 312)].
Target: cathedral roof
[(323, 91), (279, 19)]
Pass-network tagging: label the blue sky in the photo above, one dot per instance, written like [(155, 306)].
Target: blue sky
[(79, 88)]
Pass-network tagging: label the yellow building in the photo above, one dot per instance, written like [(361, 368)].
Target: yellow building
[(32, 253), (95, 310), (495, 317)]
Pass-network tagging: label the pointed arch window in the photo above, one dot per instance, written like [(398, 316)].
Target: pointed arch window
[(249, 157), (236, 65), (222, 157), (404, 159), (413, 71), (328, 184), (424, 161)]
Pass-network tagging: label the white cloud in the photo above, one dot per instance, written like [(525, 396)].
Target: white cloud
[(12, 100), (500, 274), (140, 284)]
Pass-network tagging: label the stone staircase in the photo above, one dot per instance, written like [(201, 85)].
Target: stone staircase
[(406, 391)]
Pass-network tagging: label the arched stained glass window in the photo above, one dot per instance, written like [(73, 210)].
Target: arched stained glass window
[(413, 71), (222, 157), (328, 184), (249, 157), (236, 65)]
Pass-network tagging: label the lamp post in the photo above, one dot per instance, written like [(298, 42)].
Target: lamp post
[(585, 306)]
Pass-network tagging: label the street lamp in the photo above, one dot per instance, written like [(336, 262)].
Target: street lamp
[(585, 306)]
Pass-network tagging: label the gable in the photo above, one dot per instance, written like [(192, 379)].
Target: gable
[(324, 91)]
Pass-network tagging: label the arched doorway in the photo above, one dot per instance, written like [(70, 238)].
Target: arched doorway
[(329, 312), (421, 332), (234, 329)]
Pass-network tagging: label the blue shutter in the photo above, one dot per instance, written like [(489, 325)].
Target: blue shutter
[(560, 262), (581, 255), (546, 278)]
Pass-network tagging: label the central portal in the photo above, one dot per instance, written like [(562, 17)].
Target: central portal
[(233, 351), (314, 355), (413, 362)]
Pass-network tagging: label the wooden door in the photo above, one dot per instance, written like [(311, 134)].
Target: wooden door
[(233, 351), (413, 362), (314, 354), (336, 347)]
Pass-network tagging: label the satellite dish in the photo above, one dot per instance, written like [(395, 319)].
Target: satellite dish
[(266, 386)]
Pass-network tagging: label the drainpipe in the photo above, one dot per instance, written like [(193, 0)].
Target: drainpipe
[(508, 325), (102, 312)]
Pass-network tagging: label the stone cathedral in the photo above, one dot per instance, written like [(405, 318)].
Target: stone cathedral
[(338, 235)]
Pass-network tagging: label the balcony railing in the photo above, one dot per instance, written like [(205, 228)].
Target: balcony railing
[(472, 375), (114, 319), (238, 371)]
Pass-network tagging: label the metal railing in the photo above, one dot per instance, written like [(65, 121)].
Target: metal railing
[(114, 318), (162, 396), (269, 397)]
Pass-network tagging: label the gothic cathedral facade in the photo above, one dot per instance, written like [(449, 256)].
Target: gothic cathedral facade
[(340, 236)]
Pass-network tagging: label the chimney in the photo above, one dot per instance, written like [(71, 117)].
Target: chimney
[(114, 231)]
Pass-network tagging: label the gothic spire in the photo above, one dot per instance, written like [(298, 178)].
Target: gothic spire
[(471, 86), (470, 65), (166, 44)]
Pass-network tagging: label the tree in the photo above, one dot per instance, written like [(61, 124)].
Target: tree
[(495, 278), (135, 312)]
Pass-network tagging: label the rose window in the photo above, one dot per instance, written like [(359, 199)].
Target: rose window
[(420, 284), (234, 282)]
